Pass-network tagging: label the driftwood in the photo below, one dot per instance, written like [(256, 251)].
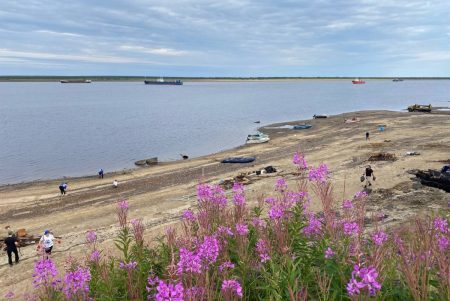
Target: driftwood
[(434, 178), (383, 157)]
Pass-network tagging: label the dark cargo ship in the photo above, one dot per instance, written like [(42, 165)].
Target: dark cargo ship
[(161, 81)]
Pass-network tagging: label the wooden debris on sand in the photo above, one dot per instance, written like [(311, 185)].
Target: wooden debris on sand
[(383, 157)]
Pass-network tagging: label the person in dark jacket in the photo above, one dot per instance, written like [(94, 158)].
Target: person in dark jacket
[(11, 247), (368, 173)]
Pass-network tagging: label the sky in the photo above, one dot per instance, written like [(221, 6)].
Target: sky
[(243, 38)]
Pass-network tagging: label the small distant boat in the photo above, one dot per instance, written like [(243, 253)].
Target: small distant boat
[(397, 80), (75, 81), (358, 81), (238, 160), (319, 116), (161, 81), (302, 126), (257, 138)]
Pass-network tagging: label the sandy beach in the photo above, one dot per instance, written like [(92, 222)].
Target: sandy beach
[(159, 193)]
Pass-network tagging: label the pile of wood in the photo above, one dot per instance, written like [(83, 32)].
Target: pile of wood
[(434, 178), (383, 157), (24, 239)]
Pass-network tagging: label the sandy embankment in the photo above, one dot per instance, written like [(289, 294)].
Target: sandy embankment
[(158, 194)]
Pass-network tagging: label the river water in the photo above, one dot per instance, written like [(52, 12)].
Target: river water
[(51, 130)]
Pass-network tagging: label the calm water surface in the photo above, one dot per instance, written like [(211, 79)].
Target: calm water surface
[(51, 130)]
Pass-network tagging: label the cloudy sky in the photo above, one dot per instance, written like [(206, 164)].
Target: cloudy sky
[(225, 38)]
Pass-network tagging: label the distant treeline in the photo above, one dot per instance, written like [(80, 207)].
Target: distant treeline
[(141, 78)]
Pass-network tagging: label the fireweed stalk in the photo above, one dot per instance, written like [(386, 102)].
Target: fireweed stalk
[(229, 249)]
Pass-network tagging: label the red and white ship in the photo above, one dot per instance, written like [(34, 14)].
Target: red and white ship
[(358, 81)]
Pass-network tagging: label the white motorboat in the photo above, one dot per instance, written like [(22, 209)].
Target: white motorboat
[(257, 138)]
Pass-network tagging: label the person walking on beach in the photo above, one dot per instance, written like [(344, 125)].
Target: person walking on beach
[(46, 242), (367, 136), (115, 184), (368, 174), (63, 188), (11, 247), (100, 173)]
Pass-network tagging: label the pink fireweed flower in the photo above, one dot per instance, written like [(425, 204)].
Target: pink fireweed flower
[(441, 225), (360, 195), (281, 185), (300, 161), (169, 292), (152, 280), (443, 243), (329, 253), (271, 201), (276, 212), (123, 204), (363, 279), (379, 238), (138, 230), (314, 226), (76, 283), (9, 295), (238, 194), (262, 250), (351, 228), (195, 293), (226, 265), (241, 229), (91, 236), (211, 194), (188, 215), (209, 250), (224, 231), (258, 222), (45, 273), (318, 174), (347, 204), (95, 256), (292, 197), (189, 262), (128, 266), (231, 287)]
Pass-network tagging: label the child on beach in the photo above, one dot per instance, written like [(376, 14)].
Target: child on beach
[(115, 184), (63, 188), (369, 173), (100, 173), (46, 242), (367, 136)]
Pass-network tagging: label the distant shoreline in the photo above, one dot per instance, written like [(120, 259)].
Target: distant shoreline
[(192, 79)]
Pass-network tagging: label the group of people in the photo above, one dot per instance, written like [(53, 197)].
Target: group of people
[(63, 186), (12, 245)]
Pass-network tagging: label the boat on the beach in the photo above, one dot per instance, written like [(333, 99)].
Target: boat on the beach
[(397, 80), (161, 81), (238, 160), (420, 108), (315, 116), (75, 81), (358, 81), (302, 126), (257, 138)]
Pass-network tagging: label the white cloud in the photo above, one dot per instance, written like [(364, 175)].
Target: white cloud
[(155, 51)]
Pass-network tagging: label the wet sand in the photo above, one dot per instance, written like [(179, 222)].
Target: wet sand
[(158, 194)]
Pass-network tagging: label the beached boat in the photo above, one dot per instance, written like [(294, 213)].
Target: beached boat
[(397, 80), (420, 108), (75, 81), (319, 116), (302, 126), (238, 160), (358, 81), (161, 81), (257, 138)]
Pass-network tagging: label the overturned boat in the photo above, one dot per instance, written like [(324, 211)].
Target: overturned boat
[(238, 160), (302, 126)]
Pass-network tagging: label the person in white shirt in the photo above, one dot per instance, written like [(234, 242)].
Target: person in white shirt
[(115, 184), (47, 242)]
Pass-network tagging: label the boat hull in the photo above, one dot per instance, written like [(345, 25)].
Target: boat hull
[(302, 127), (66, 81), (238, 160), (172, 83), (255, 141), (358, 82)]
